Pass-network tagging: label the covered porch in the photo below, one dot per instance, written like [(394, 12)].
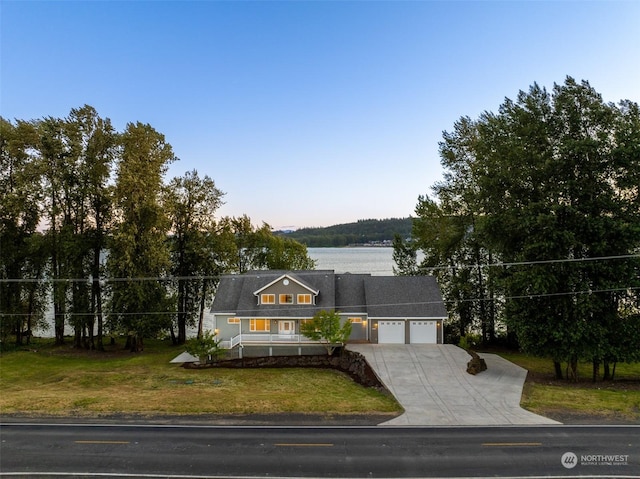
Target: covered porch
[(266, 344)]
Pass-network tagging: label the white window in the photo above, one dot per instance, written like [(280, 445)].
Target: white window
[(304, 299), (268, 298), (260, 325), (233, 321), (286, 299), (355, 320)]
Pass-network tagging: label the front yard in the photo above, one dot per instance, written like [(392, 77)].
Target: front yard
[(43, 380), (60, 381)]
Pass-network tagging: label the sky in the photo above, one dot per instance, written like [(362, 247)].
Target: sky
[(307, 113)]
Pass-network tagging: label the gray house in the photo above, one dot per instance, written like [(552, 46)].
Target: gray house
[(259, 313)]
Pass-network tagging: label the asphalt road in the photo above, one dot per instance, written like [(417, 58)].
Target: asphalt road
[(30, 450)]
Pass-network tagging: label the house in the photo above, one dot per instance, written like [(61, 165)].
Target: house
[(259, 313)]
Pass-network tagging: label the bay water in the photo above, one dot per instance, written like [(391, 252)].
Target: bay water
[(375, 260)]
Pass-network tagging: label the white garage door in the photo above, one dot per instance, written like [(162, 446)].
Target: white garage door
[(391, 332), (423, 332)]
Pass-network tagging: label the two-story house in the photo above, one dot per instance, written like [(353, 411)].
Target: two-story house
[(259, 313)]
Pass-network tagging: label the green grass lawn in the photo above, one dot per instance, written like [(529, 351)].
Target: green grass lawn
[(582, 401), (60, 381), (47, 380)]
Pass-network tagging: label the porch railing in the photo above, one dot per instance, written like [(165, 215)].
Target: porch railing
[(265, 338)]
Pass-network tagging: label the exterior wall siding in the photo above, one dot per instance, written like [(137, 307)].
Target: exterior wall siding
[(373, 331), (358, 330), (225, 330)]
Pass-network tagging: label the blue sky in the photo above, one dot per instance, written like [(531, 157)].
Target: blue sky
[(307, 113)]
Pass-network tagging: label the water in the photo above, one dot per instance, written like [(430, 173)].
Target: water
[(375, 260)]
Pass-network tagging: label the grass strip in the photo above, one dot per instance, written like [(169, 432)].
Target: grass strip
[(582, 401)]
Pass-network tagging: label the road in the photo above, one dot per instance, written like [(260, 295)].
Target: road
[(30, 449)]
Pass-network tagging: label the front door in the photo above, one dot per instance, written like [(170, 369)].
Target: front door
[(286, 327)]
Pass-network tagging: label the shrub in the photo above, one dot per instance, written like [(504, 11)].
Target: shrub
[(205, 347)]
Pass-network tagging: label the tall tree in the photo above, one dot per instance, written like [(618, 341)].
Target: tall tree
[(93, 142), (139, 254), (58, 178), (248, 243), (191, 202), (448, 234), (553, 178), (22, 264), (555, 159)]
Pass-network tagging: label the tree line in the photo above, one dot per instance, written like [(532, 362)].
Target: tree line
[(534, 232), (89, 224), (361, 232)]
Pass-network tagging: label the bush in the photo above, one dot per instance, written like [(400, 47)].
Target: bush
[(205, 347), (469, 341)]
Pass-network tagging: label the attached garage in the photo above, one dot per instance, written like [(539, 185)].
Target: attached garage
[(423, 332), (391, 332)]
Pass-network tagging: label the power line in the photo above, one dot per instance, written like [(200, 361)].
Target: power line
[(104, 280), (414, 303), (310, 272), (527, 263)]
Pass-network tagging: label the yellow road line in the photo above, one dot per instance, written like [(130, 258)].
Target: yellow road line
[(282, 444), (102, 442), (510, 444)]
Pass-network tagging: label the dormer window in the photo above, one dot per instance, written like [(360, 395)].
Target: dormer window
[(287, 289), (286, 299), (304, 299), (268, 298)]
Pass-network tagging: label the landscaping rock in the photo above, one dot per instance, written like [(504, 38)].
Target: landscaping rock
[(477, 364)]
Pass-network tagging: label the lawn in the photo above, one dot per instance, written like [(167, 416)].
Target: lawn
[(60, 381), (583, 401)]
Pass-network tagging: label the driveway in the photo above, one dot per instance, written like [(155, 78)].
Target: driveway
[(431, 383)]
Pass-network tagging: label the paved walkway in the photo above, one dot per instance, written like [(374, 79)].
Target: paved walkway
[(432, 384)]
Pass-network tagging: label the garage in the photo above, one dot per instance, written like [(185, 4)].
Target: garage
[(423, 332), (391, 332)]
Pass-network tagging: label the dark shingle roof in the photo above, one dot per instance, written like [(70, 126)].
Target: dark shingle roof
[(350, 296), (378, 296), (404, 297)]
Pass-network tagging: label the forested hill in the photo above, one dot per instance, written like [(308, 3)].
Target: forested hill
[(362, 232)]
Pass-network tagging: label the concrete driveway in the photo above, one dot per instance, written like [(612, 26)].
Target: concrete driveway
[(431, 383)]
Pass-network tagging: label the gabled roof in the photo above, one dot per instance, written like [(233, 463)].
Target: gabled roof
[(236, 294), (292, 277), (377, 296)]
